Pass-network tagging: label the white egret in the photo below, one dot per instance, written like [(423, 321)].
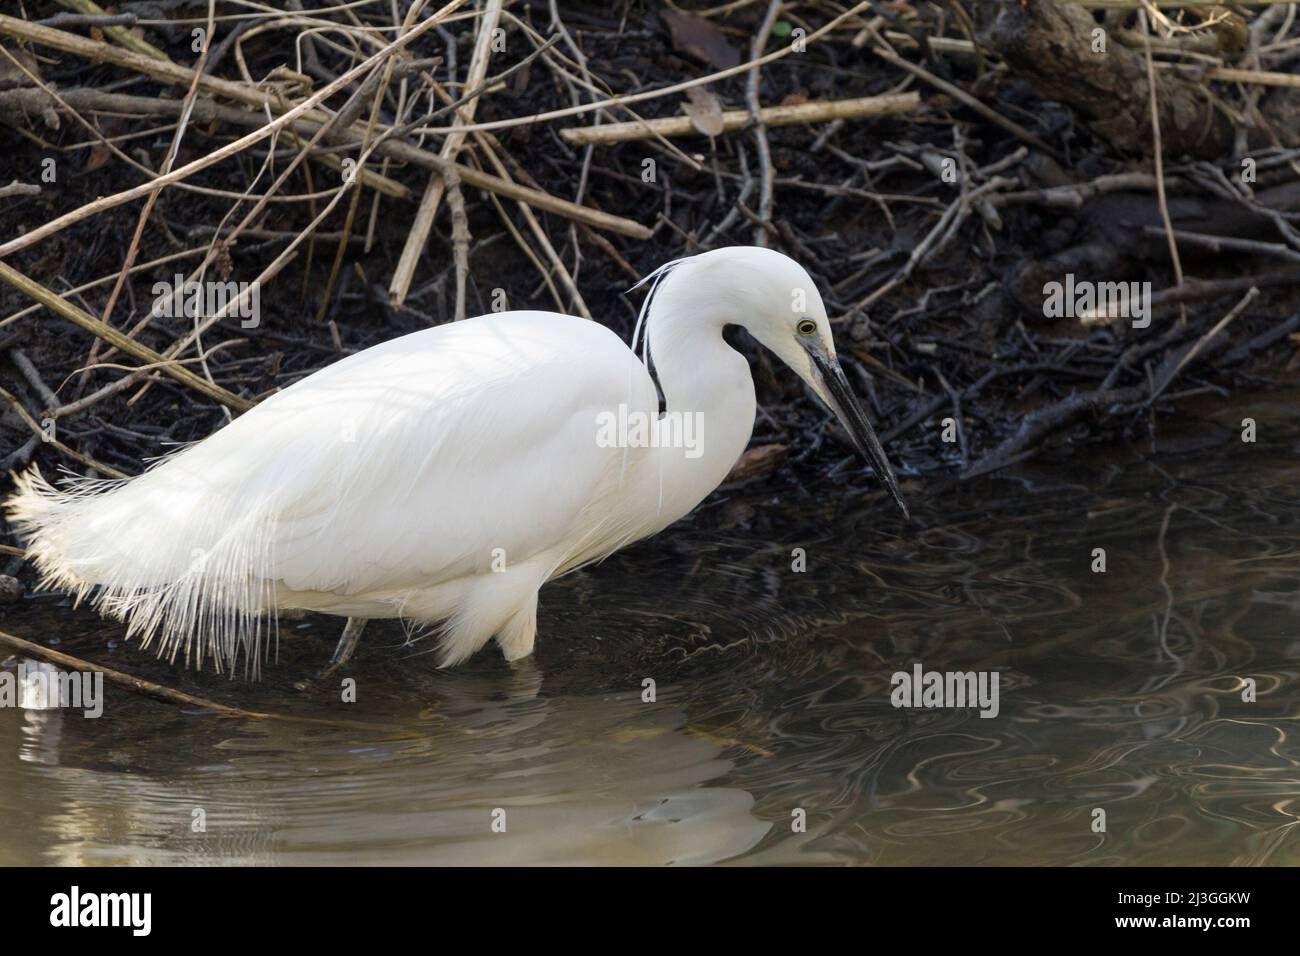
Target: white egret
[(442, 477)]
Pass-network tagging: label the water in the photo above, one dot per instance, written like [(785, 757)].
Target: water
[(1119, 691)]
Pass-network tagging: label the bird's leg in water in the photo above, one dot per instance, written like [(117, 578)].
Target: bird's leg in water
[(519, 633), (347, 643)]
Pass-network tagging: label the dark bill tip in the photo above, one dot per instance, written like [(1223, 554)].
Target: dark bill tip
[(849, 411)]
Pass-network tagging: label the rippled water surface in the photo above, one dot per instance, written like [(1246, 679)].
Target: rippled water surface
[(1120, 691)]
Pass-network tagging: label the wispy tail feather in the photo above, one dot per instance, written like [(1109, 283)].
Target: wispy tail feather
[(182, 566)]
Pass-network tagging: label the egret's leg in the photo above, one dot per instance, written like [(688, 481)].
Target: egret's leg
[(518, 634), (347, 643)]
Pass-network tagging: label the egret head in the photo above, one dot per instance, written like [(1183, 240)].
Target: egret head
[(773, 298)]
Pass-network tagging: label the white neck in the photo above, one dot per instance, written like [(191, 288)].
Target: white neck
[(704, 377)]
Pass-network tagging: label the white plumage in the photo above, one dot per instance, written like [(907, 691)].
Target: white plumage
[(441, 477)]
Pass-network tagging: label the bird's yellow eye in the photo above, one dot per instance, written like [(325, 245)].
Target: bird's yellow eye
[(806, 327)]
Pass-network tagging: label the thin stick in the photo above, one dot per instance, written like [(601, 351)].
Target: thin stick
[(735, 119), (1074, 195), (1202, 342), (35, 426), (119, 34), (761, 145), (112, 336), (1220, 243), (152, 263), (1259, 77), (433, 192), (882, 50), (16, 188), (460, 239), (165, 695), (135, 685), (1159, 158), (1196, 289), (33, 376)]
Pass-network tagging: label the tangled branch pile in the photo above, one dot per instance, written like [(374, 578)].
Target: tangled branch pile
[(345, 173)]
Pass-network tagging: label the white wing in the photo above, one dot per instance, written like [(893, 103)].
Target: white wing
[(418, 459)]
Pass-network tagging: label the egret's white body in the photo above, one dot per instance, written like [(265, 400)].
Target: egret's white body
[(442, 477)]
